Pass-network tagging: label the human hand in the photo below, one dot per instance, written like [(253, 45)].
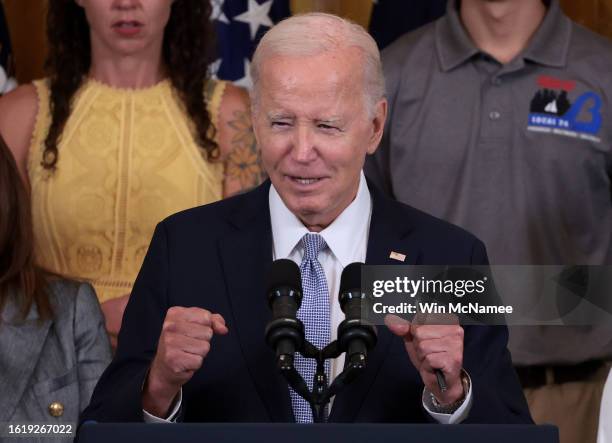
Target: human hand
[(431, 347), (113, 314), (183, 345)]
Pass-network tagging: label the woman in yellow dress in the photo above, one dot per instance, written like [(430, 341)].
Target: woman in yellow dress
[(127, 129)]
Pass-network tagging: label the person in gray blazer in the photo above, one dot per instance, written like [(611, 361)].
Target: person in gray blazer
[(53, 345)]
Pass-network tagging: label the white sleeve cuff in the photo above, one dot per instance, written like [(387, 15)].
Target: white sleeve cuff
[(449, 419), (150, 418)]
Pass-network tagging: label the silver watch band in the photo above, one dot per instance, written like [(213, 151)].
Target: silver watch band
[(452, 407)]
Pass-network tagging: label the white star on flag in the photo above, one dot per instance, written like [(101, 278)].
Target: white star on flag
[(214, 67), (217, 12), (256, 16)]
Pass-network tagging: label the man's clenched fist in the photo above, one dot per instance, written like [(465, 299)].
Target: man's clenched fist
[(183, 345), (431, 347)]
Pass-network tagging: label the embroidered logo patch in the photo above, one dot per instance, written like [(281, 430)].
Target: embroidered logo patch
[(552, 111)]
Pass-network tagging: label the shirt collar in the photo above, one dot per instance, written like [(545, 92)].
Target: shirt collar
[(549, 45), (341, 235), (453, 43)]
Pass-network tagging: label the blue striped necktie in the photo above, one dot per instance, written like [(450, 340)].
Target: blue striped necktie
[(314, 313)]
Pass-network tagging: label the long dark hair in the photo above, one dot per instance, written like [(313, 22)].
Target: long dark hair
[(17, 270), (188, 50)]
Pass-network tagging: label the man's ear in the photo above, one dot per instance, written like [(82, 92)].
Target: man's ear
[(378, 124)]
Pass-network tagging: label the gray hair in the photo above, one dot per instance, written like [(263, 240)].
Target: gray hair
[(316, 33)]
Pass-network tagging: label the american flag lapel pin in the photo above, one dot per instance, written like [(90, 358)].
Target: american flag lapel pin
[(397, 256)]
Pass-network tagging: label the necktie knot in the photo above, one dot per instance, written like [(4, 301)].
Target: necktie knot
[(313, 244)]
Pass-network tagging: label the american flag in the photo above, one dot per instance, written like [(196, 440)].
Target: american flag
[(6, 60), (240, 25)]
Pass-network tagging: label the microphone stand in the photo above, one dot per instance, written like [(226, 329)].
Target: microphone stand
[(321, 393)]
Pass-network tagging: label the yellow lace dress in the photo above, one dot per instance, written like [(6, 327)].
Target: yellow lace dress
[(127, 160)]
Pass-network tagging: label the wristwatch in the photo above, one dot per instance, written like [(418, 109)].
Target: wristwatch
[(451, 407)]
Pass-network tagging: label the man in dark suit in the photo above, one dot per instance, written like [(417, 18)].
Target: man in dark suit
[(192, 342)]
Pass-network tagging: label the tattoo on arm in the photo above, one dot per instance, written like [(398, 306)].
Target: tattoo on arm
[(244, 161)]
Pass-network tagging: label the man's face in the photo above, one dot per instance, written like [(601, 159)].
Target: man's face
[(314, 130)]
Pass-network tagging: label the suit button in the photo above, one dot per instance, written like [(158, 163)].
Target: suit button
[(56, 409)]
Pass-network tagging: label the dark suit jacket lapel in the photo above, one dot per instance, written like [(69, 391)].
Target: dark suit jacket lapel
[(247, 255), (387, 231), (20, 347)]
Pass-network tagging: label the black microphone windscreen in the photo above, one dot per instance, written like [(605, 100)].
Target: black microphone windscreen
[(284, 272), (351, 278)]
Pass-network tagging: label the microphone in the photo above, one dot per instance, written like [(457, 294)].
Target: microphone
[(355, 335), (285, 332)]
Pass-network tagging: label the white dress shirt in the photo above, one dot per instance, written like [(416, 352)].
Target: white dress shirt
[(604, 434), (347, 239)]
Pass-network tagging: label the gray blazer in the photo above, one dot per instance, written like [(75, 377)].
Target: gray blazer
[(58, 361)]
